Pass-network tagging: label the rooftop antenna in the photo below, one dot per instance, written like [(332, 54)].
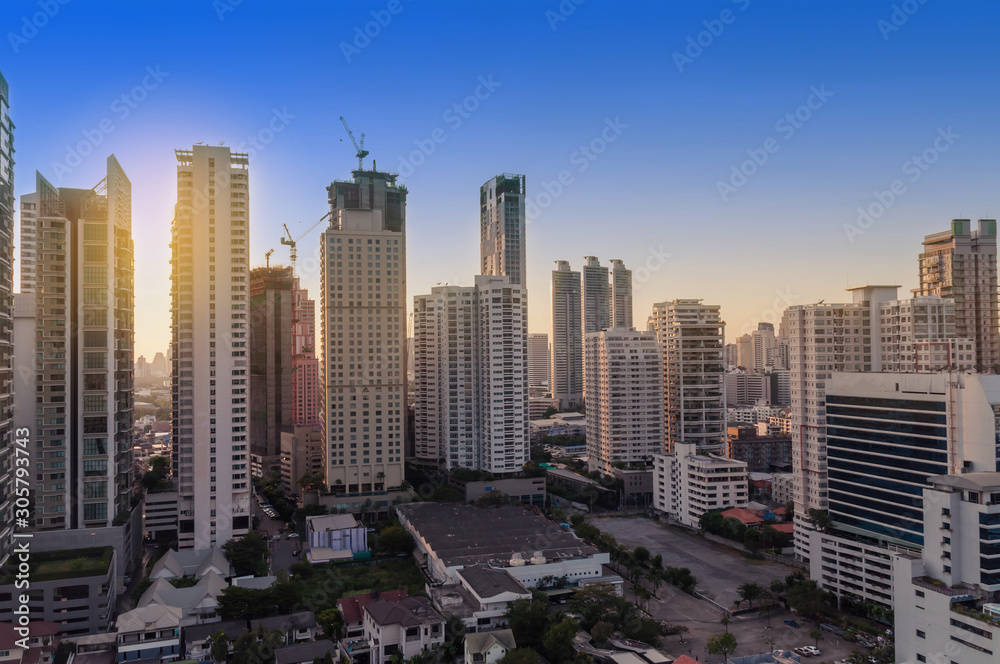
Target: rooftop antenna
[(362, 153), (267, 257)]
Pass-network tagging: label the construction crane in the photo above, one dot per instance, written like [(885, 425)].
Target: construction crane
[(362, 153), (292, 243), (267, 257)]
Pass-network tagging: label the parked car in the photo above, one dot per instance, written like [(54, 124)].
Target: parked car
[(791, 623), (808, 651)]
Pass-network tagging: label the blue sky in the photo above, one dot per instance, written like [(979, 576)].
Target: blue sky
[(665, 131)]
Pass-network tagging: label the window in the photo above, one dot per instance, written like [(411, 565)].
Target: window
[(95, 253), (95, 232), (95, 275), (95, 489), (95, 403), (95, 296), (95, 360), (94, 512), (95, 446), (95, 338), (95, 317)]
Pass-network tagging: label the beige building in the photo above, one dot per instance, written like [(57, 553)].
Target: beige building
[(363, 333), (567, 337), (210, 242), (624, 398), (687, 483)]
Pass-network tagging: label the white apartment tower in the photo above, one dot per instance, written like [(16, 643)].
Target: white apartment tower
[(363, 333), (691, 336), (539, 360), (6, 305), (595, 294), (961, 264), (621, 294), (75, 319), (624, 398), (502, 228), (210, 243), (567, 337)]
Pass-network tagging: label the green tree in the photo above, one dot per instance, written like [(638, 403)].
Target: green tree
[(218, 647), (806, 598), (656, 578), (600, 601), (642, 595), (777, 586), (752, 540), (248, 555), (601, 633), (528, 620), (816, 636), (725, 623), (656, 562), (766, 608), (395, 539), (711, 522), (558, 640), (332, 623), (722, 644), (641, 555), (520, 656), (820, 519), (749, 592)]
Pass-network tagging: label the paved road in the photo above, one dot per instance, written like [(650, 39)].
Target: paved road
[(717, 569), (283, 554)]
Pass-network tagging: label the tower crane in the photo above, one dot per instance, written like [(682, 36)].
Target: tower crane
[(362, 153), (292, 243), (267, 257)]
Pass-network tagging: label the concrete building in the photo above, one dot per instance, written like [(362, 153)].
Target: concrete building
[(595, 296), (305, 366), (947, 602), (624, 398), (301, 456), (567, 337), (886, 435), (408, 627), (527, 490), (692, 337), (272, 400), (363, 333), (621, 294), (689, 482), (142, 368), (79, 395), (211, 238), (961, 264), (159, 365), (539, 360), (470, 376), (335, 537), (502, 228), (747, 389), (762, 345), (919, 335), (761, 453), (159, 518), (6, 323)]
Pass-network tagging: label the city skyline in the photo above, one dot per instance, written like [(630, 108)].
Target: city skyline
[(686, 208)]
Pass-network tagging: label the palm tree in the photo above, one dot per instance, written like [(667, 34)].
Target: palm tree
[(380, 476), (766, 608), (218, 647), (641, 594), (655, 577), (725, 623), (749, 592)]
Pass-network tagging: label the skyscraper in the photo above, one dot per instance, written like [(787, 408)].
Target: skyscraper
[(624, 398), (621, 294), (363, 333), (961, 264), (6, 304), (306, 377), (539, 360), (75, 319), (567, 339), (210, 241), (595, 293), (271, 399), (691, 336), (159, 365), (502, 228)]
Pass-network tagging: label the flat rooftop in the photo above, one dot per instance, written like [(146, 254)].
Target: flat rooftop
[(461, 535)]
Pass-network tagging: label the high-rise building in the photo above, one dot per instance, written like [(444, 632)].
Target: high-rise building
[(75, 319), (762, 344), (624, 398), (6, 326), (961, 264), (919, 335), (567, 337), (691, 336), (305, 385), (539, 360), (272, 401), (142, 369), (211, 238), (471, 402), (687, 483), (502, 228), (363, 333), (159, 365), (621, 294), (595, 295)]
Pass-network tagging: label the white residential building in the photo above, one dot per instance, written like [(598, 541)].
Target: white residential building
[(539, 360), (947, 602), (363, 333), (624, 398), (471, 381), (567, 337), (691, 336), (919, 335), (961, 264), (211, 239), (621, 294), (687, 483), (595, 297), (409, 627)]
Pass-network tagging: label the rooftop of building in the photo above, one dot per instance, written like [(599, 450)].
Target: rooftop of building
[(983, 481), (407, 612), (36, 628), (303, 652), (462, 535), (191, 563), (297, 621), (353, 607), (480, 642), (231, 628), (202, 594), (64, 564), (149, 618), (489, 582), (329, 522)]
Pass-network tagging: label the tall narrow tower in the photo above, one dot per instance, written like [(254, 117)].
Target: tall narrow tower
[(363, 333), (502, 228), (567, 339), (621, 294), (6, 305), (211, 238)]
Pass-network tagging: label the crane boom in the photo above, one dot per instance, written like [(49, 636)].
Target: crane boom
[(293, 243), (361, 152)]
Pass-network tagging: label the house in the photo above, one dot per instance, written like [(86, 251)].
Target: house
[(353, 609), (297, 627), (748, 517), (335, 537), (41, 641), (197, 604), (149, 633), (488, 647), (304, 653), (175, 564), (408, 627), (93, 648), (195, 637)]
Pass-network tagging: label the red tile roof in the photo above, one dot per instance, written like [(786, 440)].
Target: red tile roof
[(784, 527), (8, 637), (353, 608), (684, 659), (745, 516)]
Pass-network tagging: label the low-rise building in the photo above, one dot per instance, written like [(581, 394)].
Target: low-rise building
[(304, 653), (352, 609), (335, 537), (149, 633), (195, 642), (159, 515), (488, 647), (38, 646), (688, 484), (296, 627), (528, 490), (762, 454), (408, 627)]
